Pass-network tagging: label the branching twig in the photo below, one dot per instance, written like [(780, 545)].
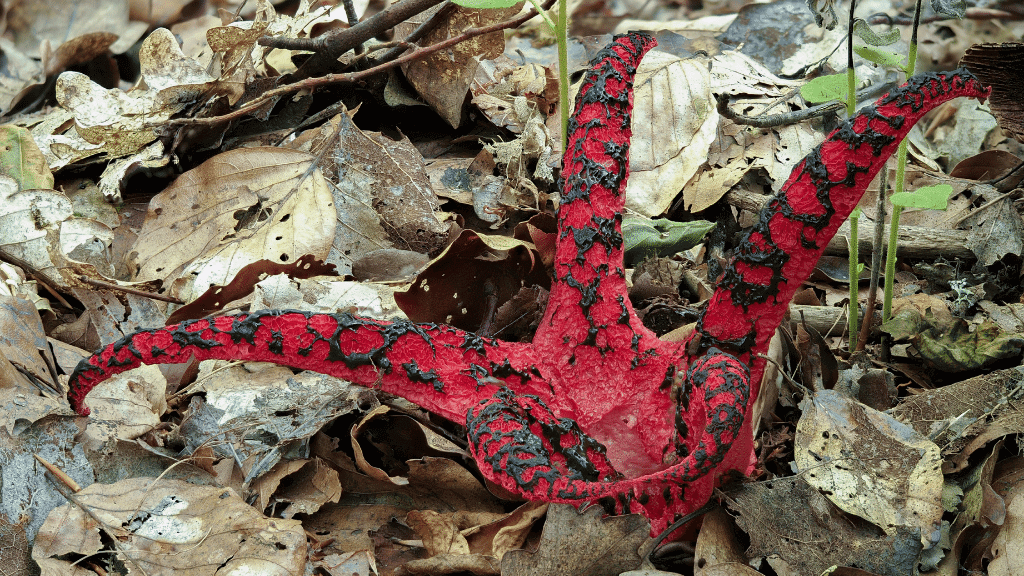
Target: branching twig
[(128, 290), (329, 47), (785, 119), (353, 77)]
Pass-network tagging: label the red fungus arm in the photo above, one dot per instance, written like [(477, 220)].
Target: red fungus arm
[(780, 251), (596, 393), (441, 368)]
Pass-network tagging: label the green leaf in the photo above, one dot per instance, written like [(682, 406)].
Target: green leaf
[(487, 3), (22, 160), (928, 198), (645, 238), (952, 345), (884, 58), (825, 88), (863, 31)]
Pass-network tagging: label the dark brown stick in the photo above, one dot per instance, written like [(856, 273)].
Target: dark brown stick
[(352, 77), (329, 47), (127, 290)]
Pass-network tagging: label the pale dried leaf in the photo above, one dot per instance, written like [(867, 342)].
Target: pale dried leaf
[(234, 209), (126, 406), (22, 337), (236, 46), (20, 72), (28, 494), (55, 21), (1008, 547), (870, 464), (434, 484), (792, 144), (509, 533), (674, 123), (24, 214), (384, 198), (365, 466), (173, 527), (257, 412), (441, 533), (151, 157), (360, 298), (310, 484), (117, 121), (164, 66), (61, 145), (718, 544), (959, 141), (790, 521), (710, 185), (736, 73)]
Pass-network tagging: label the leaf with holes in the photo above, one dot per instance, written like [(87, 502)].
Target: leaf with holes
[(236, 208)]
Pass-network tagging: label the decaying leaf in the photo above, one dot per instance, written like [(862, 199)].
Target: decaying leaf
[(1008, 546), (121, 122), (455, 287), (953, 345), (258, 414), (172, 527), (131, 406), (26, 487), (298, 487), (870, 465), (237, 208), (383, 197), (966, 416), (662, 238), (474, 542), (581, 543), (801, 532), (443, 79)]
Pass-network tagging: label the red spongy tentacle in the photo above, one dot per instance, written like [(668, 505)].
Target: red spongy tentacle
[(780, 251), (527, 449), (441, 368), (588, 305)]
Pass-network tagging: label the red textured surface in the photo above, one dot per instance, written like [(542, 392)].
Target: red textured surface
[(596, 408)]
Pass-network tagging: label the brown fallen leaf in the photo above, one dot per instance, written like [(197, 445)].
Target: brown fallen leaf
[(453, 288), (236, 208), (298, 486), (171, 527), (582, 543), (870, 464), (791, 521), (1008, 547), (718, 544)]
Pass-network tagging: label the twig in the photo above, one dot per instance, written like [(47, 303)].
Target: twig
[(876, 263), (49, 284), (59, 474), (653, 546), (127, 290), (417, 34), (353, 77), (329, 47), (776, 120)]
